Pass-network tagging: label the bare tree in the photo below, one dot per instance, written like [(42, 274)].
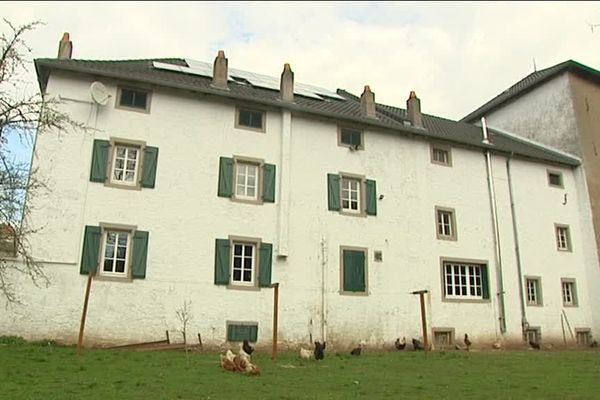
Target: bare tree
[(184, 315), (22, 116)]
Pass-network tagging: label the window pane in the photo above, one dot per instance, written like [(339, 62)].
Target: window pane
[(120, 266), (247, 263), (121, 252), (108, 265), (247, 276), (248, 251), (126, 97), (237, 262), (251, 119), (237, 250), (237, 274), (133, 98), (110, 251), (139, 99)]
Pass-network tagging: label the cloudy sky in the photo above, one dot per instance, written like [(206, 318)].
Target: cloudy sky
[(455, 55)]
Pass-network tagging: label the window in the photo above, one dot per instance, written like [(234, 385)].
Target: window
[(246, 179), (240, 331), (378, 256), (117, 251), (352, 138), (465, 281), (583, 336), (446, 223), (569, 292), (243, 262), (533, 335), (533, 290), (351, 194), (555, 179), (136, 99), (443, 337), (563, 238), (353, 270), (441, 155), (124, 163), (250, 119)]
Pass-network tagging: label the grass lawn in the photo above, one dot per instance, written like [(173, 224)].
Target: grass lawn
[(29, 371)]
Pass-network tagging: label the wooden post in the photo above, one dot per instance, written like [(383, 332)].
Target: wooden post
[(275, 318), (84, 312), (421, 294)]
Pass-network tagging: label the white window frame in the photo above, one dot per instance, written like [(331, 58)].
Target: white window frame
[(237, 124), (246, 177), (569, 292), (360, 132), (136, 170), (442, 225), (145, 110), (243, 256), (458, 270), (358, 182), (119, 231), (441, 149), (563, 237), (533, 291)]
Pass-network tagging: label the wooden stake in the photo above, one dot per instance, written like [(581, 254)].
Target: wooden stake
[(84, 312), (275, 318), (562, 324), (421, 294)]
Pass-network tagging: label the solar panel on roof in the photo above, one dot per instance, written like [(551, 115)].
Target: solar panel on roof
[(263, 81)]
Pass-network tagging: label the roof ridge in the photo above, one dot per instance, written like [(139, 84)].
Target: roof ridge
[(111, 61)]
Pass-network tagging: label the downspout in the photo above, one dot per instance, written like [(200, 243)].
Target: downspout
[(323, 296), (284, 183), (524, 323), (494, 209)]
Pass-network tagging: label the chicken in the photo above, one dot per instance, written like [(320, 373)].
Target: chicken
[(229, 355), (305, 354), (356, 351), (228, 364), (534, 345), (594, 343), (417, 345), (467, 342), (400, 345), (247, 348), (244, 355), (320, 350)]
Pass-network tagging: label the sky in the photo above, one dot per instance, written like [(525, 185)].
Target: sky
[(455, 55)]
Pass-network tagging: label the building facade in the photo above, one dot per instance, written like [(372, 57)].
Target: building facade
[(208, 187)]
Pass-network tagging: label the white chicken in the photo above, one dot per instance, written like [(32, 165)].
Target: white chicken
[(306, 354)]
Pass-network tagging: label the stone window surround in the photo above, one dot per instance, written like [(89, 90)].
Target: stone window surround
[(365, 250), (339, 137), (443, 147), (483, 263), (554, 172), (259, 179), (104, 227), (452, 211), (114, 142), (233, 239), (539, 297), (137, 89), (568, 237), (362, 212), (574, 297), (252, 109), (451, 331)]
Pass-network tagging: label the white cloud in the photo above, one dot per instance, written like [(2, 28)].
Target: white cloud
[(455, 55)]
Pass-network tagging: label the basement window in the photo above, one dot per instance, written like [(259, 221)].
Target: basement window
[(584, 336), (135, 99), (555, 179), (443, 337), (240, 331)]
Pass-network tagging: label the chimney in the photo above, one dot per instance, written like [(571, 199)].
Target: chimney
[(65, 47), (367, 103), (220, 71), (413, 110), (286, 86)]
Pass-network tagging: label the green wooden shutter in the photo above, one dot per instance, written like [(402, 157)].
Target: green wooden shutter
[(239, 332), (222, 254), (354, 271), (333, 192), (149, 170), (91, 250), (485, 287), (269, 183), (99, 160), (140, 255), (371, 197), (225, 177), (266, 261)]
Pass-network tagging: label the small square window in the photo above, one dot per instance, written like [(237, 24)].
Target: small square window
[(583, 336), (116, 245), (569, 292), (443, 338), (354, 270), (134, 98), (563, 238), (446, 223), (352, 138), (441, 155), (125, 165), (555, 179), (250, 119), (533, 290), (243, 263), (378, 255)]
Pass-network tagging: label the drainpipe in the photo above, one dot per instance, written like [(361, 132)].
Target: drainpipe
[(323, 297), (494, 209), (524, 322)]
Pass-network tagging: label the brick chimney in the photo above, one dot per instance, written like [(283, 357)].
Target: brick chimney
[(413, 110), (220, 71), (367, 103), (286, 86), (65, 47)]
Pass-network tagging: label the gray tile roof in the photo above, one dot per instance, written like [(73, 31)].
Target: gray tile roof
[(345, 111), (530, 82)]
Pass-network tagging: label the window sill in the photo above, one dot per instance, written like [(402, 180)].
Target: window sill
[(571, 305), (123, 186), (447, 238), (534, 305), (124, 279), (358, 294), (249, 128), (140, 110), (243, 288), (474, 301), (247, 201), (565, 250), (353, 214)]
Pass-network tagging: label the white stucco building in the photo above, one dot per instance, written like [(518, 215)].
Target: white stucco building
[(202, 188)]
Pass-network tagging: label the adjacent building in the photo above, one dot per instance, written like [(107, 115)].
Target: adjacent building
[(205, 184)]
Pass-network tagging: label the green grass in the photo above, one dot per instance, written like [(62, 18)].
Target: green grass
[(45, 371)]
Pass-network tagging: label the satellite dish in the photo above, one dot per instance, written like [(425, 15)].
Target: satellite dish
[(99, 93)]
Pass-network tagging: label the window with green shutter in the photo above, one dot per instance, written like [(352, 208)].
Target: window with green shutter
[(240, 331), (351, 194), (243, 262), (354, 271), (241, 179), (99, 160)]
